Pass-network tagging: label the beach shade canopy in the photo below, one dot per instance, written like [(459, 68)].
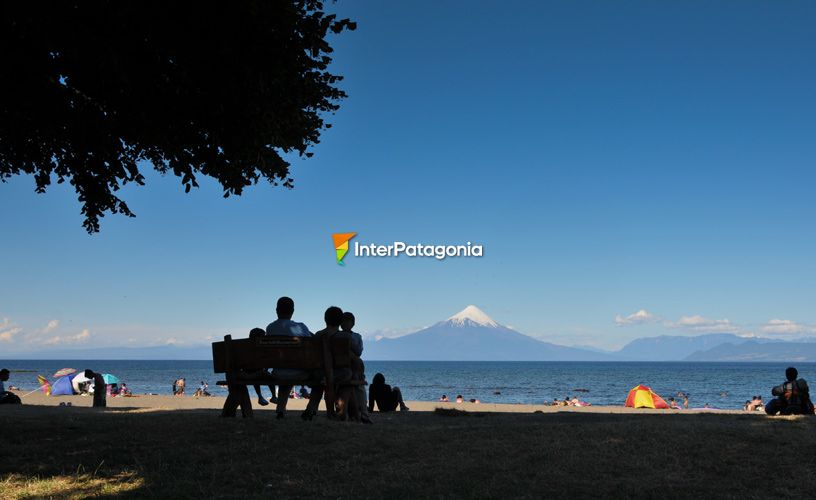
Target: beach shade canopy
[(79, 378), (643, 397), (110, 379), (63, 372), (62, 386)]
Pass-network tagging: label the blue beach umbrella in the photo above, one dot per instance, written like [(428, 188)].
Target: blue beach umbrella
[(110, 379)]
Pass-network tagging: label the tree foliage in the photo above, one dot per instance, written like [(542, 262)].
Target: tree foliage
[(217, 88)]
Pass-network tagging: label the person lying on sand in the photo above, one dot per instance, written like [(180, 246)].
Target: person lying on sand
[(754, 404)]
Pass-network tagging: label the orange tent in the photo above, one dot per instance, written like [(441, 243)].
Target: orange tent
[(643, 397)]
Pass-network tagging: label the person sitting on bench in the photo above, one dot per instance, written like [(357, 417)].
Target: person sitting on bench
[(259, 332), (792, 397), (284, 326), (357, 366), (333, 317)]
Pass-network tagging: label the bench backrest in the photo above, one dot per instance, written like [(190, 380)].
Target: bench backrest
[(278, 352)]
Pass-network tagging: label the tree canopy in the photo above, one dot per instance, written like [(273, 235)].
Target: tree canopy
[(223, 89)]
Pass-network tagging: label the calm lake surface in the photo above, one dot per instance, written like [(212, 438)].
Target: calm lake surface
[(721, 385)]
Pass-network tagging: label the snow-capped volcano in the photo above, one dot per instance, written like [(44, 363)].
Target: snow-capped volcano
[(472, 335), (472, 316)]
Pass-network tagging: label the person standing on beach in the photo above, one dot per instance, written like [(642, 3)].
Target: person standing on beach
[(792, 396), (284, 326), (100, 394)]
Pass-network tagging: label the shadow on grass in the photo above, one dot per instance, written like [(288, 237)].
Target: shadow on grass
[(193, 453)]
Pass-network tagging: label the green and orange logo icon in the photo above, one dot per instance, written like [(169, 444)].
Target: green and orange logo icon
[(341, 245)]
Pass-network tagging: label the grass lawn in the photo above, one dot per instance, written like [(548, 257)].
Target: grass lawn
[(78, 452)]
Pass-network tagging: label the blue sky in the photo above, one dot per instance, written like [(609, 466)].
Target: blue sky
[(610, 158)]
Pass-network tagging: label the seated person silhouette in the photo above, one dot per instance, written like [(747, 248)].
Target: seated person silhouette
[(7, 397), (333, 317), (792, 397), (386, 397), (284, 326), (357, 368), (259, 332)]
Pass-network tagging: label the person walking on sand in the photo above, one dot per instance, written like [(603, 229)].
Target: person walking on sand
[(792, 396), (99, 394)]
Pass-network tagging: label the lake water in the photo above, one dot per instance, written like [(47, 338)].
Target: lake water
[(721, 385)]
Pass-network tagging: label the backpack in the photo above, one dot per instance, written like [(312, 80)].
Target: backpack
[(798, 401), (791, 394)]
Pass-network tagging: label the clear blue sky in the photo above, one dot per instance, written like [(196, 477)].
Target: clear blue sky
[(611, 158)]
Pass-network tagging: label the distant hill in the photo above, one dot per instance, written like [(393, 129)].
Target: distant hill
[(673, 348), (758, 351), (163, 352), (471, 335)]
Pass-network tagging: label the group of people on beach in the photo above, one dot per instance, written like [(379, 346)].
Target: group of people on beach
[(338, 324), (179, 385), (569, 402), (754, 404), (459, 399)]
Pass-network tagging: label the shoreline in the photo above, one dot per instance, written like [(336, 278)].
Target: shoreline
[(153, 402)]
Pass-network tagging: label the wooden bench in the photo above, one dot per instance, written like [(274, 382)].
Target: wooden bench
[(244, 361)]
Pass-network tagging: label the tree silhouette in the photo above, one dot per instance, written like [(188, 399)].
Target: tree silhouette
[(216, 88)]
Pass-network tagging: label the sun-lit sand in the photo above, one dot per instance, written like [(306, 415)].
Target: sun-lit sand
[(215, 402)]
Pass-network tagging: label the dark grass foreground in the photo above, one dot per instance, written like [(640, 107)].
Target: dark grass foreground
[(77, 452)]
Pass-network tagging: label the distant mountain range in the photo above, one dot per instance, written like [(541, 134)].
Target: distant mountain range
[(675, 348), (162, 352), (758, 350), (471, 335)]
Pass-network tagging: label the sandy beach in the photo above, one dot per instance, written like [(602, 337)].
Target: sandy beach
[(151, 402)]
